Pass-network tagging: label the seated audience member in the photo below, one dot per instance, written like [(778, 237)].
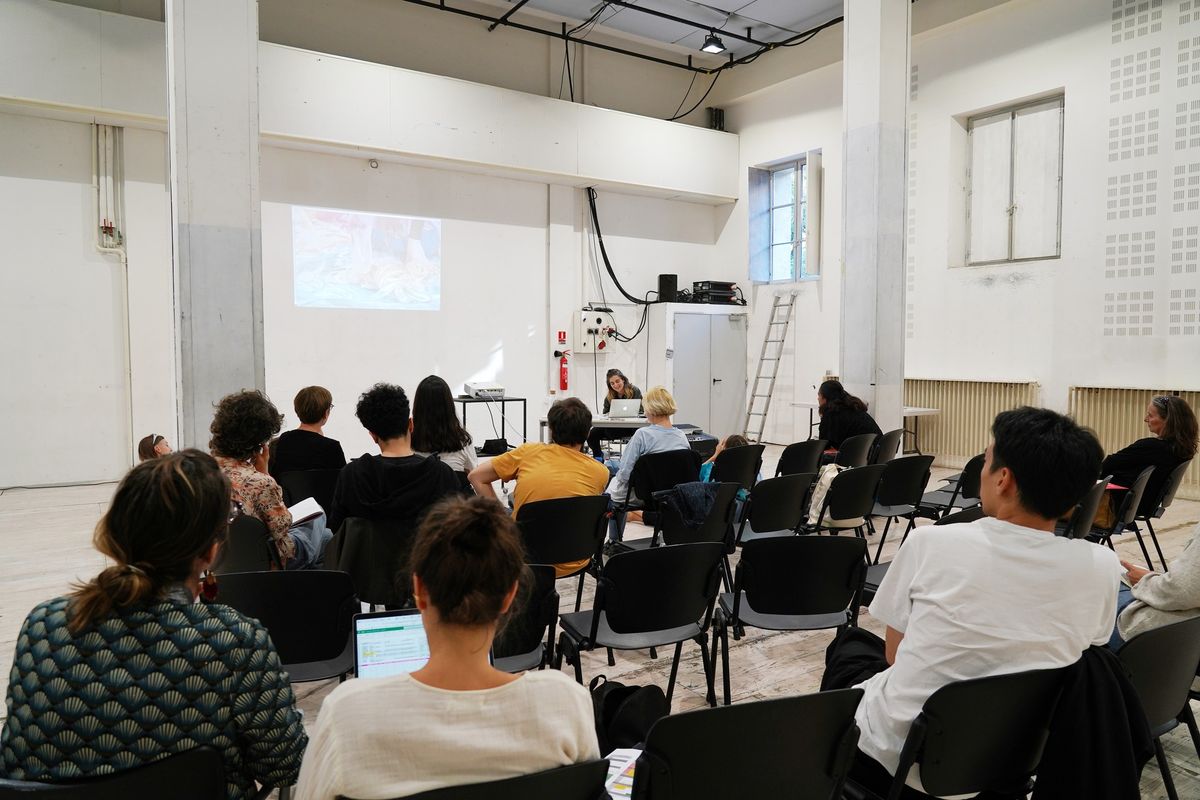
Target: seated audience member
[(999, 595), (657, 437), (842, 415), (458, 719), (397, 484), (1158, 599), (619, 388), (241, 430), (308, 447), (1173, 425), (153, 446), (549, 471), (129, 668), (436, 430)]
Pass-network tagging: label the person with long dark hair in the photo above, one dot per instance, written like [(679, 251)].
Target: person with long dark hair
[(619, 388), (436, 429), (458, 719), (153, 446), (842, 415), (1173, 425), (129, 668)]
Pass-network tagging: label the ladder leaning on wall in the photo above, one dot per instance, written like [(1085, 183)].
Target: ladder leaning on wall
[(763, 385)]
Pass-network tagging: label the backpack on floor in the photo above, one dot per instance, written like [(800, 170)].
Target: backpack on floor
[(624, 714)]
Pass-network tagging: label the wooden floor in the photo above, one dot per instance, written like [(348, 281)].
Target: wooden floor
[(48, 532)]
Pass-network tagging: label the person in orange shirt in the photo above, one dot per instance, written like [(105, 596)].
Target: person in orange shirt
[(548, 471)]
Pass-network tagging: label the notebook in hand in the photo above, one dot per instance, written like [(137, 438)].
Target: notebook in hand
[(306, 509)]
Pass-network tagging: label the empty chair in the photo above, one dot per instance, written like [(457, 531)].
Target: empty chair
[(247, 548), (984, 734), (877, 571), (901, 488), (315, 483), (791, 583), (888, 446), (850, 500), (196, 774), (1124, 514), (527, 640), (801, 457), (739, 465), (1162, 663), (564, 530), (1158, 506), (793, 747), (373, 552), (649, 598), (716, 527), (964, 493), (583, 781), (309, 614), (856, 450), (1080, 523), (775, 507)]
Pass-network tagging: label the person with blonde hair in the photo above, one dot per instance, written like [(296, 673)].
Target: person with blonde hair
[(657, 437), (130, 668)]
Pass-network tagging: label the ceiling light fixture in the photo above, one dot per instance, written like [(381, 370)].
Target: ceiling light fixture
[(713, 44)]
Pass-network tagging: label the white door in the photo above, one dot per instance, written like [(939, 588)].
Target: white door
[(690, 367), (727, 372)]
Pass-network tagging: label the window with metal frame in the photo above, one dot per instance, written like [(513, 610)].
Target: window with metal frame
[(1014, 204), (782, 220)]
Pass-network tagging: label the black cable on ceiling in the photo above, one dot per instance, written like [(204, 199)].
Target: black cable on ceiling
[(716, 78)]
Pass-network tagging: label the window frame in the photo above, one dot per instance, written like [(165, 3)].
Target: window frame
[(1011, 111), (806, 264)]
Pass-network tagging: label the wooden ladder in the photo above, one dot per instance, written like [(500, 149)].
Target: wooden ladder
[(763, 385)]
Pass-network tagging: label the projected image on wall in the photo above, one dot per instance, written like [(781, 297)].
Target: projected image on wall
[(350, 259)]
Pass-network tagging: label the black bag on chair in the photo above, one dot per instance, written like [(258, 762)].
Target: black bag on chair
[(624, 714)]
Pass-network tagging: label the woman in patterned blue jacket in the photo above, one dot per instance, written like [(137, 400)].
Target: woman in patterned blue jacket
[(130, 668)]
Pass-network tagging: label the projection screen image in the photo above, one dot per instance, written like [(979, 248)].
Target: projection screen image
[(351, 259)]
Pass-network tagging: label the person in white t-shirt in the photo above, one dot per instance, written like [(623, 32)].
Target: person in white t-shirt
[(457, 720), (996, 596)]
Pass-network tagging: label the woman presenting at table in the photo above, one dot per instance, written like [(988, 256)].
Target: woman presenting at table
[(619, 388)]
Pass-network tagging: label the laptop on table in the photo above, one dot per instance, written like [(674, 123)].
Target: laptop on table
[(625, 408)]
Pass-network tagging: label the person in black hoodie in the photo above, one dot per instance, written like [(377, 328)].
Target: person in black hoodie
[(842, 415), (396, 484)]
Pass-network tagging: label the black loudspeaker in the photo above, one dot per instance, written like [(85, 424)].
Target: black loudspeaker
[(668, 286)]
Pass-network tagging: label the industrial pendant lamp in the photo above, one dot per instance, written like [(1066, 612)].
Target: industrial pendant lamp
[(713, 43)]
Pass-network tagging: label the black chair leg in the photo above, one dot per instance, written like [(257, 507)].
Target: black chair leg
[(724, 663), (1142, 544), (726, 573), (579, 592), (612, 661), (1165, 770), (1189, 719), (1161, 558), (882, 539), (718, 624), (710, 670), (675, 670), (653, 653)]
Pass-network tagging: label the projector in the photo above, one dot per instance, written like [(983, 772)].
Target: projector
[(484, 390)]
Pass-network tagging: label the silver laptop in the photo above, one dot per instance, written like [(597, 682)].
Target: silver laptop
[(388, 643), (625, 408)]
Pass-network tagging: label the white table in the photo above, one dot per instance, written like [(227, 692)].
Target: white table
[(916, 412), (601, 422)]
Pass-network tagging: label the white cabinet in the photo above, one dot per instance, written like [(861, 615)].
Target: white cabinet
[(699, 353)]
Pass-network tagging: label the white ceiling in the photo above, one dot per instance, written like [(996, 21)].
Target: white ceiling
[(768, 20)]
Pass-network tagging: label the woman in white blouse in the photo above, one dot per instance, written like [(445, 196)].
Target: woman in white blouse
[(436, 429), (458, 719)]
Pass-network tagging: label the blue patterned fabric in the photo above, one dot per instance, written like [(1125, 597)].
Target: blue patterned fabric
[(144, 683)]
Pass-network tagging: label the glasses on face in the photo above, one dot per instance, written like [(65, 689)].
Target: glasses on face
[(235, 510)]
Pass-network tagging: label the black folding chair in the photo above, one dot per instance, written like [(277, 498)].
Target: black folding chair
[(984, 734), (850, 499), (856, 450), (309, 614), (717, 525), (901, 488), (1162, 663), (374, 553), (247, 548), (1158, 506), (888, 446), (527, 639), (315, 483), (775, 507), (801, 457), (790, 583), (739, 465), (649, 598), (1080, 523), (876, 572), (1123, 516), (963, 494), (793, 747), (196, 774), (655, 472), (565, 530), (583, 781)]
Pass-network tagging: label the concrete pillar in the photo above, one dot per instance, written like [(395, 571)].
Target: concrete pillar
[(875, 108), (212, 86)]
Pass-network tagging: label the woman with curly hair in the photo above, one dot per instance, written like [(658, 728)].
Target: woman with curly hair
[(241, 433)]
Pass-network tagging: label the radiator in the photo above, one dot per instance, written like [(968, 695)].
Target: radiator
[(963, 426), (1116, 417)]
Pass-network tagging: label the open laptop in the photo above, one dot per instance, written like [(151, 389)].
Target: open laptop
[(625, 408), (388, 643)]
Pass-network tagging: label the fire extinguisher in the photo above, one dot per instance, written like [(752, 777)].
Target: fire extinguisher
[(563, 373)]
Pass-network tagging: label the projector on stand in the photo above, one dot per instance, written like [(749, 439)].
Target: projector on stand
[(484, 391)]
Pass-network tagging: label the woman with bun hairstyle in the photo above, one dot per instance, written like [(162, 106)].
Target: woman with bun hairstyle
[(458, 719), (129, 667)]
